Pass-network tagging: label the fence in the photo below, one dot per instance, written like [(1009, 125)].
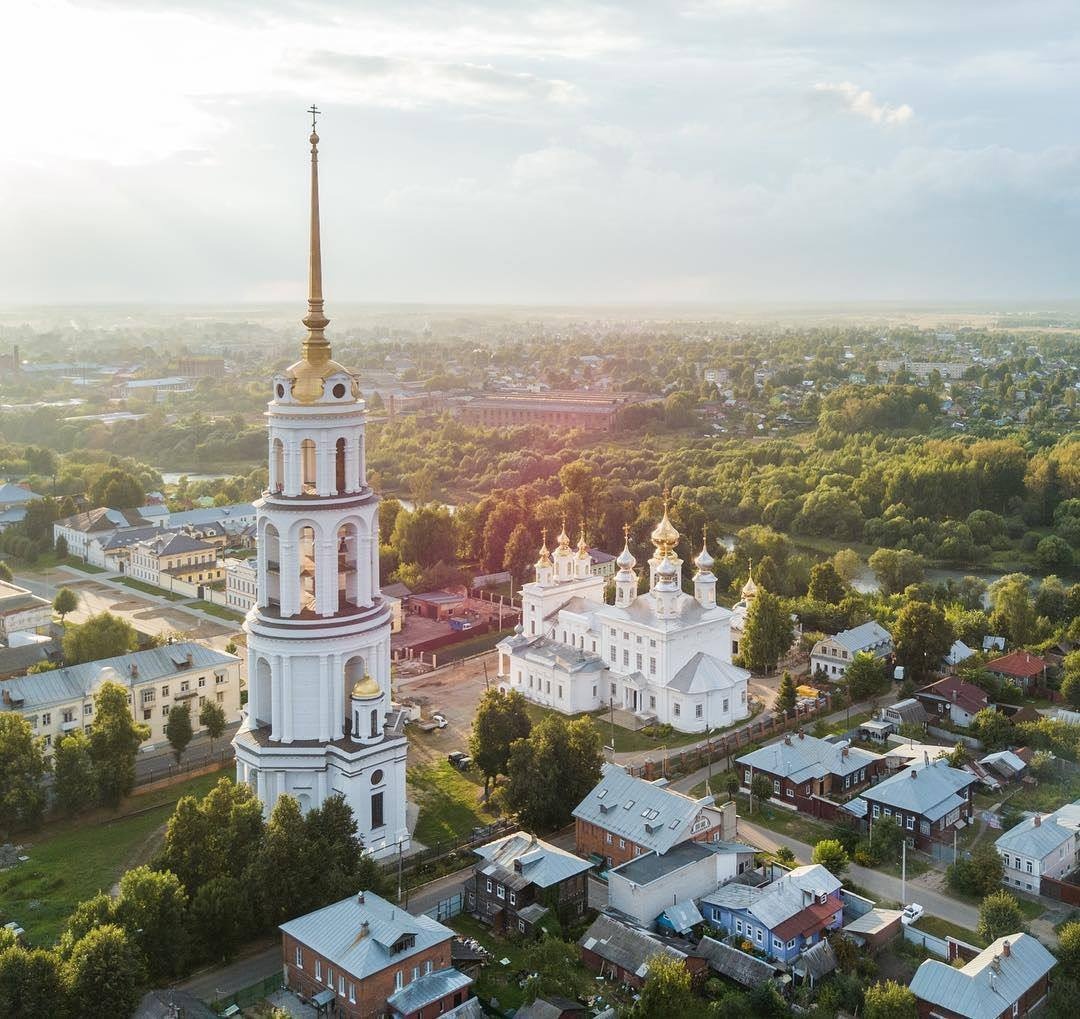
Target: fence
[(170, 772), (932, 943), (431, 856), (1060, 890), (954, 737), (248, 996), (446, 908)]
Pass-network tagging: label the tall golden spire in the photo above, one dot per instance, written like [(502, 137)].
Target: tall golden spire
[(316, 348)]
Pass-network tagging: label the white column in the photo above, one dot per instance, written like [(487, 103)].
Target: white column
[(363, 456), (289, 577), (352, 464), (326, 576), (364, 577), (324, 457), (292, 467), (324, 698), (287, 699), (276, 699)]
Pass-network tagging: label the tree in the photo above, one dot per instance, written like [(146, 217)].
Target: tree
[(114, 741), (178, 729), (922, 638), (761, 787), (865, 677), (5, 572), (826, 584), (500, 719), (831, 855), (786, 694), (1053, 552), (31, 983), (22, 766), (890, 1000), (152, 909), (104, 974), (999, 915), (552, 964), (785, 856), (65, 601), (732, 785), (886, 835), (978, 875), (896, 568), (101, 636), (498, 528), (220, 917), (666, 991), (74, 782), (768, 632), (62, 549), (1070, 688), (342, 865), (992, 728), (212, 719), (117, 489), (425, 536), (284, 866), (1068, 950), (847, 564), (568, 755), (520, 554), (1013, 610)]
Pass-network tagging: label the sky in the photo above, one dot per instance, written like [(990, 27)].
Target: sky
[(708, 151)]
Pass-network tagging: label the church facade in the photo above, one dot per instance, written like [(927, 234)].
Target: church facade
[(663, 655), (319, 717)]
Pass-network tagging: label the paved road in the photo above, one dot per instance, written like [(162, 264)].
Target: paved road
[(264, 960), (159, 763), (880, 884)]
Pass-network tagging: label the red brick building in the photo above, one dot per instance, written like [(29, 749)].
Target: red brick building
[(621, 954), (372, 958)]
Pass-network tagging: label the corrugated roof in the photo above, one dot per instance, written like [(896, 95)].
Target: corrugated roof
[(986, 986), (803, 757), (817, 961), (873, 921), (77, 682), (683, 916), (627, 947), (541, 863), (654, 817), (336, 932), (782, 900), (870, 636), (427, 989), (744, 969), (935, 790), (1039, 840)]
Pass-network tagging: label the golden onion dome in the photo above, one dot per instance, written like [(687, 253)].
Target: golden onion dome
[(366, 688), (750, 589), (583, 547), (309, 378), (664, 534)]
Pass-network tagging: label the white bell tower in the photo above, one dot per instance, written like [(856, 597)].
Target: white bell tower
[(319, 633)]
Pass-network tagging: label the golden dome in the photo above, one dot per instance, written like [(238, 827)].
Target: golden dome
[(563, 539), (750, 589), (366, 687), (583, 546), (664, 534), (310, 378)]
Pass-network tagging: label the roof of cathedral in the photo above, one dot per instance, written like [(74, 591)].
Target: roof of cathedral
[(705, 673)]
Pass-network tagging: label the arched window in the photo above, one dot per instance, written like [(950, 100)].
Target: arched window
[(347, 567), (261, 701), (308, 573), (272, 553), (374, 722), (339, 467), (307, 466)]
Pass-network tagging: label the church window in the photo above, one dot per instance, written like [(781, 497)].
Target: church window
[(677, 709), (652, 666), (594, 690), (639, 638), (625, 635), (612, 689), (699, 710), (594, 647), (652, 643), (611, 652), (560, 691), (374, 723), (376, 776), (640, 663), (625, 657), (547, 686), (652, 703), (338, 391), (377, 810), (613, 631)]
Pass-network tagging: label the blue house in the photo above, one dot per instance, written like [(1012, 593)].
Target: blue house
[(783, 918)]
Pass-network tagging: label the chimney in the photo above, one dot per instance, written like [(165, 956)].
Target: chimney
[(134, 671), (1006, 949), (190, 659), (926, 757), (7, 697), (1038, 820), (802, 735), (360, 899), (913, 774), (787, 739), (844, 752)]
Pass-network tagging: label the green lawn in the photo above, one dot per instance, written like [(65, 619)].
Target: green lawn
[(1045, 797), (470, 646), (496, 980), (78, 564), (141, 585), (945, 929), (449, 802), (212, 609), (78, 861)]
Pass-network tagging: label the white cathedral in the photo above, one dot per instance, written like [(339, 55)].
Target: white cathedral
[(663, 655), (319, 718)]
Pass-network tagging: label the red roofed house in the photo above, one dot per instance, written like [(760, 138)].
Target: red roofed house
[(952, 698), (1020, 667)]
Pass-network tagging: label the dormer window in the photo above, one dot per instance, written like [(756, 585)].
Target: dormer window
[(628, 805)]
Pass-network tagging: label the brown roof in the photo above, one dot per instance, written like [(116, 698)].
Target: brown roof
[(953, 689), (1023, 664), (808, 919)]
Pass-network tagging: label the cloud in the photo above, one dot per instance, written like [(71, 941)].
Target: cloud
[(861, 101), (553, 166)]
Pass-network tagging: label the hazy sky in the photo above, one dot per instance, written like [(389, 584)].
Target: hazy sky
[(703, 150)]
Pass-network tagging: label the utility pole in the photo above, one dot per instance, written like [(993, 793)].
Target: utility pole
[(954, 845), (903, 873), (611, 708), (708, 753)]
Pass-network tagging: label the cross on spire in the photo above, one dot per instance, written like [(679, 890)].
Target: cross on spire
[(314, 111)]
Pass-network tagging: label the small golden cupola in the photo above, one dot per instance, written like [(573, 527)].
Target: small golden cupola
[(366, 688), (664, 535), (750, 589), (316, 365)]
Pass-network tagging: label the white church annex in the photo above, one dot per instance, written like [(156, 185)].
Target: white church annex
[(319, 719), (663, 655)]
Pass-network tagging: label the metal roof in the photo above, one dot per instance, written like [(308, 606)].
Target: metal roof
[(653, 817), (1040, 840), (649, 867), (986, 986), (538, 862), (337, 933), (744, 969), (933, 792), (803, 757), (705, 673), (786, 897), (873, 921), (868, 636), (77, 682), (426, 989), (682, 916), (817, 961), (627, 947)]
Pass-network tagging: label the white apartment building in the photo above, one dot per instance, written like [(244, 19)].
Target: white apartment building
[(241, 584), (1041, 847)]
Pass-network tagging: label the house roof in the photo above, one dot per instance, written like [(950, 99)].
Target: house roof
[(176, 543), (538, 862), (959, 652), (744, 969), (683, 916), (704, 673), (651, 815), (934, 790), (803, 757), (788, 905), (992, 643), (627, 947), (989, 983), (549, 1008), (817, 961), (1039, 840), (396, 591), (873, 921), (1004, 762), (336, 932), (909, 710), (953, 690), (77, 682), (649, 867), (1020, 664), (867, 637), (427, 989)]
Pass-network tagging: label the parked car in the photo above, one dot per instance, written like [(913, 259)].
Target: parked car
[(911, 913), (459, 760), (439, 720)]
